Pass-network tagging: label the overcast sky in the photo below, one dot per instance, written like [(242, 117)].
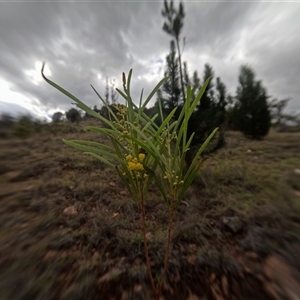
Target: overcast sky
[(83, 42)]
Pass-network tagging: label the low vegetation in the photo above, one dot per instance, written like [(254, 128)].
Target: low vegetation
[(69, 231)]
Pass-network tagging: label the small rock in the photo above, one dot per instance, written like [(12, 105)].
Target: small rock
[(267, 270), (96, 255), (49, 255), (123, 192), (193, 247), (149, 236), (234, 224), (12, 175), (111, 183), (252, 255), (212, 277), (297, 171), (64, 254), (192, 259), (110, 275), (137, 288), (276, 269), (70, 211), (114, 215), (24, 225), (28, 188)]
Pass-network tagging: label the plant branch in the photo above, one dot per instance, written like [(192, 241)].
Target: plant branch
[(168, 246), (180, 70), (146, 250)]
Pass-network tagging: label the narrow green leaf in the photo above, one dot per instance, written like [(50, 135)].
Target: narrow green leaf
[(122, 93), (158, 182), (93, 150), (149, 125), (199, 96), (107, 106), (154, 91), (117, 145), (189, 142), (100, 158), (160, 110), (105, 131), (90, 143), (78, 102), (102, 100), (151, 147), (187, 183), (129, 81), (141, 99), (129, 186), (166, 122), (199, 153)]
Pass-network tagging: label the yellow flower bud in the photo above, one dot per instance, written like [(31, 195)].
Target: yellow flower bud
[(131, 166), (139, 167), (129, 157), (141, 156)]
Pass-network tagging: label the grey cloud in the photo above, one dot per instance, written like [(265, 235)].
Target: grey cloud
[(80, 41)]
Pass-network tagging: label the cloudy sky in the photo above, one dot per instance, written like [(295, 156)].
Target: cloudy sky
[(83, 42)]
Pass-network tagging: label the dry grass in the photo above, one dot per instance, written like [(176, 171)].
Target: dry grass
[(50, 255)]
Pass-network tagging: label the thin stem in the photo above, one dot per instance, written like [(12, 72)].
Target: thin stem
[(168, 245), (146, 250), (180, 70)]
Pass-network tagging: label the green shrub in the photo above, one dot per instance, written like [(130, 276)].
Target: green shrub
[(24, 127)]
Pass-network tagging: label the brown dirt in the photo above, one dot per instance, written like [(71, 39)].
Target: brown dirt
[(69, 231)]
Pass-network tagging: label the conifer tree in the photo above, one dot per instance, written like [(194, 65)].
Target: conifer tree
[(106, 92), (173, 27), (169, 95), (210, 112), (251, 109)]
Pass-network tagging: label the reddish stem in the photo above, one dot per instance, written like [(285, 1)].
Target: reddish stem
[(167, 253), (146, 250)]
